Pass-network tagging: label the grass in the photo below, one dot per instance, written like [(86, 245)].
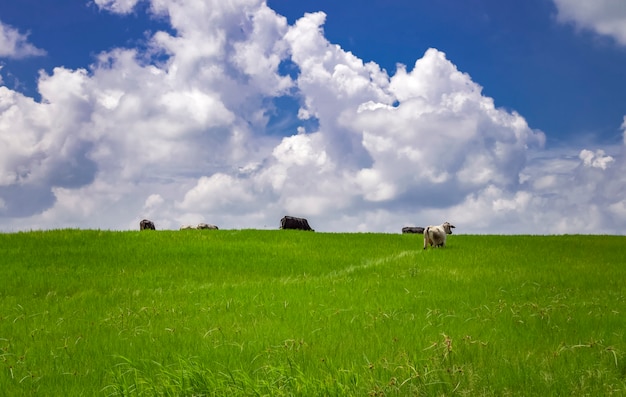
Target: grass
[(249, 312)]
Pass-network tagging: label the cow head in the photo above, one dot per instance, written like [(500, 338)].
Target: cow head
[(448, 227)]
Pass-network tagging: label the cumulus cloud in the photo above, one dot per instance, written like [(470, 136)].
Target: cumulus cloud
[(606, 17), (443, 135), (595, 160), (214, 193), (14, 44), (178, 133)]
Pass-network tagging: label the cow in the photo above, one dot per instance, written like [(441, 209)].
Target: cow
[(200, 226), (206, 226), (435, 236), (291, 222), (413, 229), (146, 225)]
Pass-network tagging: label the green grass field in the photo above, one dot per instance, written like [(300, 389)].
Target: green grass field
[(250, 312)]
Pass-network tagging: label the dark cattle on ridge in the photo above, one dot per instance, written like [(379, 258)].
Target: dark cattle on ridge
[(291, 222), (206, 226), (146, 225), (413, 229)]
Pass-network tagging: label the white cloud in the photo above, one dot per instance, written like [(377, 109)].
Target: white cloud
[(606, 17), (214, 193), (117, 6), (153, 201), (14, 44), (595, 160), (443, 135), (618, 209), (179, 133), (299, 150)]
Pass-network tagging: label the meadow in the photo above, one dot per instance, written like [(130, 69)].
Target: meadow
[(291, 313)]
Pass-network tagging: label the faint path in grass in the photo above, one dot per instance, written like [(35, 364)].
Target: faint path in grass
[(366, 265), (334, 274)]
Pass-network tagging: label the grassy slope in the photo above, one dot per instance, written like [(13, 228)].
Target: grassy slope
[(286, 312)]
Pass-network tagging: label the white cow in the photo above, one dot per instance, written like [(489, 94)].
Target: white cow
[(187, 227), (435, 236)]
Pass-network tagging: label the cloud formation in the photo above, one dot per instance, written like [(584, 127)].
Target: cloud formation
[(606, 17), (14, 44), (178, 132)]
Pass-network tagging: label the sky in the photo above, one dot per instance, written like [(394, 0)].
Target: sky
[(499, 117)]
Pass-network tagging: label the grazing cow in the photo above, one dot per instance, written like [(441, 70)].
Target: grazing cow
[(206, 226), (413, 229), (187, 227), (291, 222), (146, 225), (436, 235)]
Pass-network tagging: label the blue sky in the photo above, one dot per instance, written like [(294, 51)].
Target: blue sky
[(71, 33), (238, 112), (522, 56)]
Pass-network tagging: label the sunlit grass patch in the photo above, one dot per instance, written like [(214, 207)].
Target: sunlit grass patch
[(251, 312)]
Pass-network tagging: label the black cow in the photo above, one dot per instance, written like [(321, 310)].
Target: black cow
[(291, 222), (146, 225), (413, 229)]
